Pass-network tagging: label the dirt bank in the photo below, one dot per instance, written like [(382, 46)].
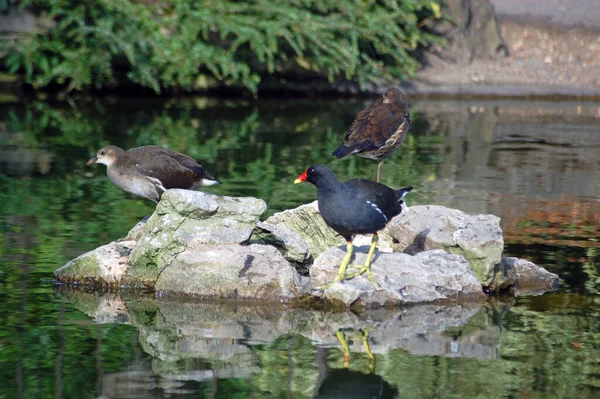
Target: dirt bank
[(548, 56)]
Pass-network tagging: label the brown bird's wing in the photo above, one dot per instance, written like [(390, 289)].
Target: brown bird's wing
[(150, 151), (372, 128), (170, 172), (162, 164)]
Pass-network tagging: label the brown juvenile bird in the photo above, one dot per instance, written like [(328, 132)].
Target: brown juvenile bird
[(149, 171), (378, 130)]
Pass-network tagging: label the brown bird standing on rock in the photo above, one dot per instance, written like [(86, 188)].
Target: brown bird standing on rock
[(378, 130), (149, 171)]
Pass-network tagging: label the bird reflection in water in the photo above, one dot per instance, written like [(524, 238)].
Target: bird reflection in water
[(346, 383)]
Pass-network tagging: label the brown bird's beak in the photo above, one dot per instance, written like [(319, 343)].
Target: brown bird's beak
[(301, 178), (92, 161)]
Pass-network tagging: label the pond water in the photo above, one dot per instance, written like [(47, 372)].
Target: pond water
[(534, 164)]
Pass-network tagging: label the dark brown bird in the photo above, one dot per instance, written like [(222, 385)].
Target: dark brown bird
[(151, 170), (378, 130)]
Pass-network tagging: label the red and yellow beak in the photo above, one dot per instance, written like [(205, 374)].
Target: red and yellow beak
[(301, 178)]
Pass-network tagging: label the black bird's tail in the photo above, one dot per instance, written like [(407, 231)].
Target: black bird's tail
[(400, 194)]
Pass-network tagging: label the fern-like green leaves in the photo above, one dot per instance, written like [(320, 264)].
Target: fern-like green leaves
[(170, 43)]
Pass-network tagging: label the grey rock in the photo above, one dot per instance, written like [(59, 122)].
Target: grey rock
[(136, 232), (385, 243), (202, 218), (185, 219), (306, 221), (103, 266), (197, 244), (293, 248), (531, 279), (404, 279), (254, 272), (476, 237)]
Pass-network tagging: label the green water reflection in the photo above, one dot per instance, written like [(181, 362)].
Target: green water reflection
[(533, 164)]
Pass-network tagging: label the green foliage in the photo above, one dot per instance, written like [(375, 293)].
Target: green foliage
[(177, 43)]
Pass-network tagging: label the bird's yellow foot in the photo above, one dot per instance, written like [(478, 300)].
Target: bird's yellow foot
[(341, 274), (335, 280), (364, 269)]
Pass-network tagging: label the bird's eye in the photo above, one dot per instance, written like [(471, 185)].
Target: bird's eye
[(385, 94), (102, 152)]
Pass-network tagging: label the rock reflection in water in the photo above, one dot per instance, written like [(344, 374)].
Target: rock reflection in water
[(190, 342)]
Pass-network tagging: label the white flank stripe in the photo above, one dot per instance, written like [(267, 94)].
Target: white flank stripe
[(374, 206)]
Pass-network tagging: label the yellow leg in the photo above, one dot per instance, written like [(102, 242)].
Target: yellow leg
[(379, 171), (341, 275), (366, 268), (364, 336), (365, 341), (342, 338)]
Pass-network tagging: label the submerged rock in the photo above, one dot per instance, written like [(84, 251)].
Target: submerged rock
[(531, 279), (403, 279)]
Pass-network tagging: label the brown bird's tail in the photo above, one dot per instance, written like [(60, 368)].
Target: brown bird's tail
[(342, 151)]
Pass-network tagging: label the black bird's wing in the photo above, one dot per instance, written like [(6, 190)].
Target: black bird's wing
[(376, 195)]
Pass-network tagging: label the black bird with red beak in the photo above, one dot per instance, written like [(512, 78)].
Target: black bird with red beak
[(378, 130), (357, 206)]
